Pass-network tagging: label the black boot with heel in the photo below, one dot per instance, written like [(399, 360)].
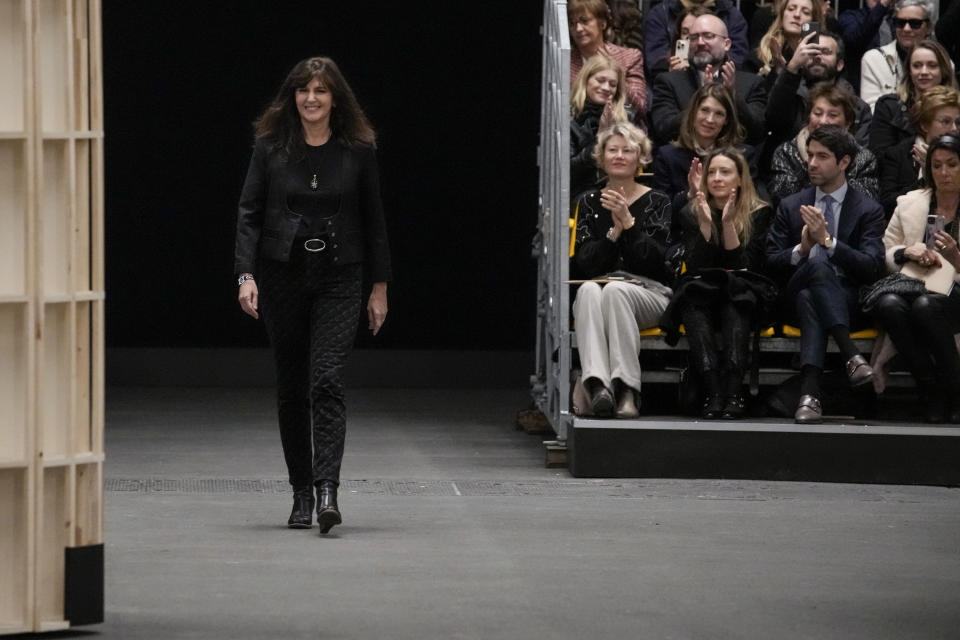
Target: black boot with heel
[(301, 517), (328, 513)]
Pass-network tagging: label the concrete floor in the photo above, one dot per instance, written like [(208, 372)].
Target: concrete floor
[(453, 528)]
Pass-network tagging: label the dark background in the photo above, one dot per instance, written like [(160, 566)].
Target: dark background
[(453, 91)]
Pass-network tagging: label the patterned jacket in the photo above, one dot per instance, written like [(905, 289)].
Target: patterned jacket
[(789, 170)]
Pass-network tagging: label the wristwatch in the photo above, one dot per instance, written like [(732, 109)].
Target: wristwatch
[(243, 278), (828, 242)]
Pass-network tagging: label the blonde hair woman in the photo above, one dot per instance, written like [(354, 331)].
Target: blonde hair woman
[(598, 99), (723, 233), (785, 35), (625, 228), (589, 22)]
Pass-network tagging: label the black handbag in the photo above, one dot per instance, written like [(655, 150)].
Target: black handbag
[(897, 283)]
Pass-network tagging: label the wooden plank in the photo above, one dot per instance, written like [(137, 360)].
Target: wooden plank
[(81, 66), (556, 454), (14, 548)]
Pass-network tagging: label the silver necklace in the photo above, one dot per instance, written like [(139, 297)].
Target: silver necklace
[(314, 181)]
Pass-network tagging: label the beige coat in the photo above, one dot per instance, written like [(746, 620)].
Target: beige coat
[(880, 72)]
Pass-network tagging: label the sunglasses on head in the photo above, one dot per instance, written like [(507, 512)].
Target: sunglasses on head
[(915, 23)]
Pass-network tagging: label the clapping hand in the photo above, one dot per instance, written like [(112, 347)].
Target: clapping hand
[(694, 177), (615, 201), (727, 72), (815, 222), (730, 208), (919, 153), (606, 118)]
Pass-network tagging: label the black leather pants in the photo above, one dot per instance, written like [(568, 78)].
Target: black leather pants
[(700, 324), (923, 334), (311, 309)]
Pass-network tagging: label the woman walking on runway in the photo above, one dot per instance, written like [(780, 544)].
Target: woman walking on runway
[(310, 221)]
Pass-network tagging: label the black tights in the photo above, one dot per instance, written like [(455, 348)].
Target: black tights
[(699, 323), (923, 334)]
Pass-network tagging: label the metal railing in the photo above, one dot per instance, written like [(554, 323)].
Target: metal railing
[(551, 382)]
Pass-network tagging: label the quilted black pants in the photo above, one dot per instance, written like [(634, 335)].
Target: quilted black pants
[(311, 310)]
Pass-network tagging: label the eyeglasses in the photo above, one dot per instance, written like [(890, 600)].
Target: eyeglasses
[(706, 36), (915, 23), (946, 121)]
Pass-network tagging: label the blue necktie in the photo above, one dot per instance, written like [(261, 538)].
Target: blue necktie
[(819, 253)]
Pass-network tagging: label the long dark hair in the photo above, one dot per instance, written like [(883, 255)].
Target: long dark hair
[(731, 133), (947, 142), (280, 122)]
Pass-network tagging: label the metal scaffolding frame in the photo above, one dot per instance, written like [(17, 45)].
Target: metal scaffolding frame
[(551, 382)]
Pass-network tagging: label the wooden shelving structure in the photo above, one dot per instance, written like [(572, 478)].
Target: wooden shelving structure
[(51, 315)]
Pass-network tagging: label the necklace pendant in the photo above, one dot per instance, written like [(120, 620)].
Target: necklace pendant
[(313, 182)]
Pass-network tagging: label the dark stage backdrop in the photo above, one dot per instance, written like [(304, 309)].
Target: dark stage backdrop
[(453, 90)]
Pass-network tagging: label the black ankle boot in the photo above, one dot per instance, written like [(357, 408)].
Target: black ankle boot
[(734, 407), (328, 514), (712, 407), (302, 515)]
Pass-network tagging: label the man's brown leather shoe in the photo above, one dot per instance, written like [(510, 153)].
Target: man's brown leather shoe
[(808, 411), (859, 371)]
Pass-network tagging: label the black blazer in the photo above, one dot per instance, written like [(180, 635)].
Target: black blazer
[(859, 253), (891, 124), (788, 103), (672, 92), (899, 173), (266, 227), (671, 164)]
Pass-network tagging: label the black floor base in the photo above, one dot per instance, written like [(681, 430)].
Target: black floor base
[(83, 589), (666, 448)]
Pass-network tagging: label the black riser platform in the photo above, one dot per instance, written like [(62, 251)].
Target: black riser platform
[(831, 453)]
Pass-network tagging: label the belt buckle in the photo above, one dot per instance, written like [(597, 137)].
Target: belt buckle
[(307, 245)]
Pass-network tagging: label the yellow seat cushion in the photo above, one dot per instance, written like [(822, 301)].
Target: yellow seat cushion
[(793, 332)]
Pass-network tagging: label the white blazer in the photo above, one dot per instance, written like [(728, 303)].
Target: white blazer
[(880, 73)]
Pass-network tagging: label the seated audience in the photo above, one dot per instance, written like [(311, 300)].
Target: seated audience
[(882, 68), (624, 227), (922, 327), (659, 32), (670, 61), (788, 102), (829, 105), (927, 66), (948, 30), (825, 242), (709, 122), (589, 22), (782, 39), (723, 233), (597, 101), (864, 27), (672, 91), (935, 113), (626, 23)]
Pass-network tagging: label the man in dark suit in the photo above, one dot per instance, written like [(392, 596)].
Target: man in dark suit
[(825, 242), (709, 62)]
